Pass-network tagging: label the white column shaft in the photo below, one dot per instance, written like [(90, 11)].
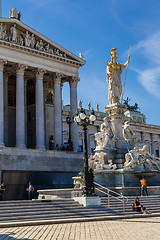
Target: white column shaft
[(152, 145), (73, 110), (40, 144), (20, 112), (1, 110), (6, 111), (57, 114)]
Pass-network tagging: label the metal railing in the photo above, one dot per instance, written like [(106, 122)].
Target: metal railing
[(111, 194)]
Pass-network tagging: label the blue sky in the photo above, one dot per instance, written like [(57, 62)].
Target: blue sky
[(93, 28)]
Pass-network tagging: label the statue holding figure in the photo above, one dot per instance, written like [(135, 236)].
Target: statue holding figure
[(106, 137), (113, 73)]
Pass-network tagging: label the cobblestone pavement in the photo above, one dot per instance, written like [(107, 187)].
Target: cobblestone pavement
[(137, 229)]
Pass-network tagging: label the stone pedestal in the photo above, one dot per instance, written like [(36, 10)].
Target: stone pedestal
[(93, 201), (116, 114)]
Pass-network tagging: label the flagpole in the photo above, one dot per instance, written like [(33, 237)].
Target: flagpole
[(125, 75)]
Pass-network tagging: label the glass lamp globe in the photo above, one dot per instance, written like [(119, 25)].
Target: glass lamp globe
[(92, 118), (82, 116), (77, 119)]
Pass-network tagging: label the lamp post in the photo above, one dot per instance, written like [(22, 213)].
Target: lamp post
[(87, 173), (69, 121)]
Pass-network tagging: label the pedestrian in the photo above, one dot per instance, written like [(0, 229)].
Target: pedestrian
[(30, 191), (57, 147), (138, 207), (2, 189), (51, 143), (79, 148), (143, 187)]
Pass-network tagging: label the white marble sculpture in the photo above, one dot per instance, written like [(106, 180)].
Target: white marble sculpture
[(13, 33), (129, 135), (97, 107), (32, 39), (1, 31), (96, 162), (14, 13), (132, 158), (20, 40), (106, 137), (27, 40), (113, 73), (140, 156)]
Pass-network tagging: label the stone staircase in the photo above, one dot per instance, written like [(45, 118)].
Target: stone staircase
[(152, 203), (61, 209)]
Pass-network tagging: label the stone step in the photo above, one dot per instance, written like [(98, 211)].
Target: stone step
[(67, 208)]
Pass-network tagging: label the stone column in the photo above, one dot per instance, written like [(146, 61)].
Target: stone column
[(73, 109), (20, 108), (57, 110), (25, 107), (6, 75), (142, 137), (40, 143), (2, 62), (152, 144)]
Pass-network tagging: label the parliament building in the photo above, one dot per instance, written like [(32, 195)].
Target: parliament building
[(33, 71)]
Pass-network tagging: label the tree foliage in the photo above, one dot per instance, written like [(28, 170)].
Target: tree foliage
[(134, 107)]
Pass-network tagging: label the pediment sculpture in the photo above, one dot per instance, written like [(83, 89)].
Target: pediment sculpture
[(28, 39)]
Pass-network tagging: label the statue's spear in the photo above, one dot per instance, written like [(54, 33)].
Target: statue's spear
[(0, 9), (125, 75)]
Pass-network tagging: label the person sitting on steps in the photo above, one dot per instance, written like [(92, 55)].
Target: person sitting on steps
[(138, 207)]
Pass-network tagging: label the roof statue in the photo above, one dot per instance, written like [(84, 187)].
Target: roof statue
[(14, 13), (113, 73), (89, 105), (81, 55)]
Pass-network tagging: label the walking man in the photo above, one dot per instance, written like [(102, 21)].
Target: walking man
[(143, 187)]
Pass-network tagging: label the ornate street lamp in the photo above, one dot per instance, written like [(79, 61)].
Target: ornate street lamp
[(87, 173), (69, 121)]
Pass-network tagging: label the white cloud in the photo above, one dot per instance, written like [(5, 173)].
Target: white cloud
[(149, 48), (149, 52), (150, 80)]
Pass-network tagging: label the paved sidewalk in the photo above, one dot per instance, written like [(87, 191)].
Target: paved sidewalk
[(136, 229)]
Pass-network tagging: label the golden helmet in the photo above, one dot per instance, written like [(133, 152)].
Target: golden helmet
[(113, 53)]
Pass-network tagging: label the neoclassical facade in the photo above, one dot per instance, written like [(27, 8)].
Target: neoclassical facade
[(149, 134), (33, 70)]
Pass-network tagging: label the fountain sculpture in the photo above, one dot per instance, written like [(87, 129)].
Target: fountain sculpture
[(120, 157)]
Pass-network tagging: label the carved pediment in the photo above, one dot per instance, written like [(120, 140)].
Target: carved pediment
[(17, 33)]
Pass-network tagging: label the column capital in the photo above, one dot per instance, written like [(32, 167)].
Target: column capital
[(21, 68), (2, 62), (57, 77), (39, 73), (74, 81)]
